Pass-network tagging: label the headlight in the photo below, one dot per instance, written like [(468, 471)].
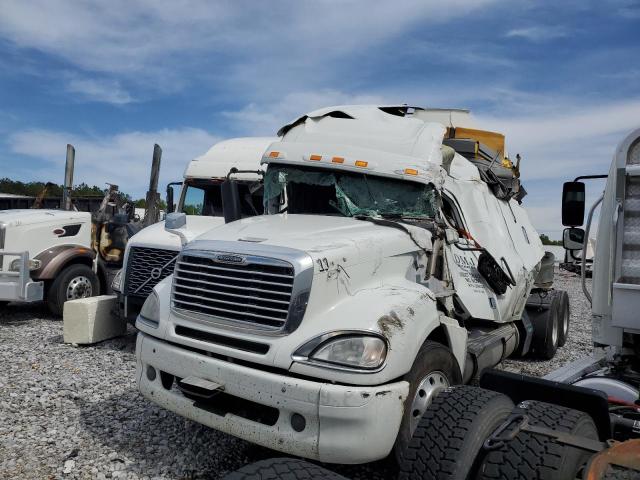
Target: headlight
[(366, 352), (14, 266), (151, 309), (116, 283)]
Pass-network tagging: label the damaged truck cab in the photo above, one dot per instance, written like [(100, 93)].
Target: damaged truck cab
[(393, 260)]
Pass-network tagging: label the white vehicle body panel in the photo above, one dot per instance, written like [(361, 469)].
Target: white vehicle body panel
[(237, 153)]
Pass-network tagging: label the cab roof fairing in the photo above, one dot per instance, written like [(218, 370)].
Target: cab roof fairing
[(386, 137), (243, 153), (379, 163)]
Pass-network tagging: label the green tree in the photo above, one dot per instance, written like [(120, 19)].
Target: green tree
[(547, 241)]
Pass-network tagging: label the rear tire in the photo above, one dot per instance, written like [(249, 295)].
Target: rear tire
[(447, 445), (283, 468), (546, 328), (564, 317), (434, 369), (534, 456), (75, 281)]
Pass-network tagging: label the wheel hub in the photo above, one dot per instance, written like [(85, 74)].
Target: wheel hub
[(428, 388), (79, 287)]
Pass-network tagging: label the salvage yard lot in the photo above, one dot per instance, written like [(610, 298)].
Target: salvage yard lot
[(70, 412)]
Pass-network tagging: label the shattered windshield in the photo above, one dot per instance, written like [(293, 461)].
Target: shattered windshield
[(317, 191)]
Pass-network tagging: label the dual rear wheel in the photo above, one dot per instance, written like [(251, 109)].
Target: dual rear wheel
[(550, 325)]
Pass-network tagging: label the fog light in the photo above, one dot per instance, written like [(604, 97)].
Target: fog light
[(298, 423), (151, 373)]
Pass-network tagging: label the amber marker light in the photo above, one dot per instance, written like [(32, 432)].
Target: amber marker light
[(337, 160), (315, 158), (410, 171), (361, 163)]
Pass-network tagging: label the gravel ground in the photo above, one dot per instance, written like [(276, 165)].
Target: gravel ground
[(70, 412), (579, 342)]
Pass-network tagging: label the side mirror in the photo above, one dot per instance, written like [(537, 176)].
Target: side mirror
[(170, 200), (175, 223), (573, 238), (573, 200), (175, 220), (231, 206), (451, 236)]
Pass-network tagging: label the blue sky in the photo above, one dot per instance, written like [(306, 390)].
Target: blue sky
[(561, 79)]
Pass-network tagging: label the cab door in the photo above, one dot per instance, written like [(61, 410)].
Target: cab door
[(485, 221)]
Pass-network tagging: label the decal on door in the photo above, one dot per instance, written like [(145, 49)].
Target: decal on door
[(468, 272)]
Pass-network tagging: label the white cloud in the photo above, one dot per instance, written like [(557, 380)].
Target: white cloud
[(152, 39), (568, 139), (560, 144), (123, 159), (108, 91), (538, 33)]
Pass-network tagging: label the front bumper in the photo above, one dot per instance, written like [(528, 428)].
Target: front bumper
[(17, 286), (344, 424)]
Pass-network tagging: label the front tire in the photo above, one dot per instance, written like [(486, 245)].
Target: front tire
[(434, 369), (74, 282)]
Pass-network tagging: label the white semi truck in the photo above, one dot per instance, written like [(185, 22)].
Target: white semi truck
[(46, 254), (150, 254), (394, 259)]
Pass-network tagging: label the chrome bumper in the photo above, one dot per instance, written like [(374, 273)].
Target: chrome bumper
[(17, 286)]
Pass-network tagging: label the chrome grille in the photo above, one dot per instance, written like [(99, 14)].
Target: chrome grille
[(146, 267), (255, 293)]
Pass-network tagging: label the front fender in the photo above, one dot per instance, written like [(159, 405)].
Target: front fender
[(56, 258), (404, 313)]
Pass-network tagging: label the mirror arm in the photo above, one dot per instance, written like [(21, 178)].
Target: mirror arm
[(585, 245)]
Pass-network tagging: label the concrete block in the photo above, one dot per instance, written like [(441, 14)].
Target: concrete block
[(90, 320)]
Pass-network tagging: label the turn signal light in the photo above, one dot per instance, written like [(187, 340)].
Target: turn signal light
[(274, 154)]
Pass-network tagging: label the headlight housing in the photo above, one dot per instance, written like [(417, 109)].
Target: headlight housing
[(116, 283), (346, 351), (150, 312), (34, 264)]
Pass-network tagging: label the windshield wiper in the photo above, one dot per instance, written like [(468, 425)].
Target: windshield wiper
[(390, 223)]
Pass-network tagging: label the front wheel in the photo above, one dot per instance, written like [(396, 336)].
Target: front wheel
[(434, 369), (74, 282)]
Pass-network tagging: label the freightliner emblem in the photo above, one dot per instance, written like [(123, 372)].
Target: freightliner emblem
[(237, 259)]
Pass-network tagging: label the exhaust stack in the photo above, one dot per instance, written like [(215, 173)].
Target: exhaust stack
[(68, 177), (152, 214)]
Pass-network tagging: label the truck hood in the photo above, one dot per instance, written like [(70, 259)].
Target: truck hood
[(346, 240), (32, 216), (155, 236)]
